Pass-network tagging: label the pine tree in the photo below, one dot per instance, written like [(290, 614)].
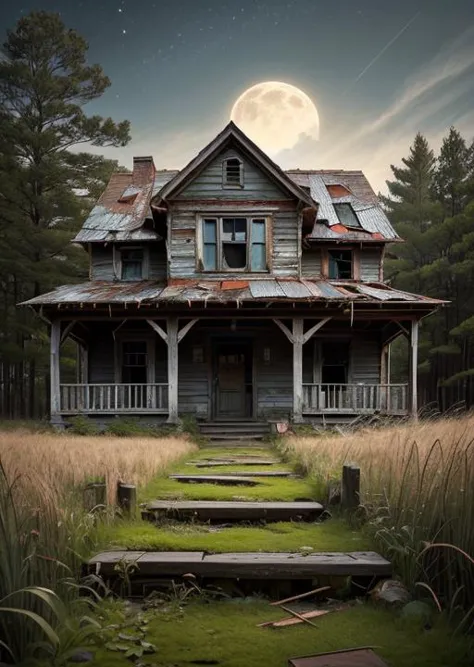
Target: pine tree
[(45, 189), (451, 180)]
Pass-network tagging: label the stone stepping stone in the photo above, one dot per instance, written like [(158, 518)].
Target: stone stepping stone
[(228, 480)]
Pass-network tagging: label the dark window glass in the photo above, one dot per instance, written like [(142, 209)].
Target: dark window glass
[(340, 264), (132, 264), (347, 215), (210, 245), (134, 362)]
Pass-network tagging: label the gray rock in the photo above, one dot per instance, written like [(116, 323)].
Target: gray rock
[(81, 656)]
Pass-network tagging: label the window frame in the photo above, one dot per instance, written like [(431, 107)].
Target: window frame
[(226, 185), (134, 337), (337, 208), (325, 259), (219, 242), (145, 262)]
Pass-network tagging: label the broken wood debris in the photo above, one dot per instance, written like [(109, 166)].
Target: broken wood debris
[(292, 620), (301, 596), (353, 657), (229, 480)]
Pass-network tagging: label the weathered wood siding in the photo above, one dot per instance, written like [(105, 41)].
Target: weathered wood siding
[(365, 360), (311, 263), (370, 259), (102, 262), (193, 377), (274, 380), (208, 184)]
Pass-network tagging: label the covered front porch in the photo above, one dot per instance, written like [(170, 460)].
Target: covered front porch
[(224, 367)]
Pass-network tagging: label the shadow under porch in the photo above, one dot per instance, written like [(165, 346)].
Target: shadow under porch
[(229, 368)]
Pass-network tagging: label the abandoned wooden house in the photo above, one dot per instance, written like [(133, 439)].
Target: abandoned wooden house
[(234, 291)]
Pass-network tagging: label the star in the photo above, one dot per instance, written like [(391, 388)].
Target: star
[(124, 32), (120, 10)]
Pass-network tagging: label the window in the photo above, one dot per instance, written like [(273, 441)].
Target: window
[(346, 215), (132, 263), (340, 264), (134, 362), (232, 173), (234, 244)]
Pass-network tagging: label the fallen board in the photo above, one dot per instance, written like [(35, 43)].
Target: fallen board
[(230, 480), (350, 658), (224, 510), (276, 566)]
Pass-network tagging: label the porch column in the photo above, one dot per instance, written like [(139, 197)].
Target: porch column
[(172, 335), (55, 399), (298, 330), (413, 407)]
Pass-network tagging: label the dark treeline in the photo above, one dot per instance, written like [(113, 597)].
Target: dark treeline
[(47, 187), (431, 205)]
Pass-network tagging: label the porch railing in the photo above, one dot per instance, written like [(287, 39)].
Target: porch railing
[(358, 398), (116, 398)]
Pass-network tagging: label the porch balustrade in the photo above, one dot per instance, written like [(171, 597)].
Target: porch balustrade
[(357, 398), (114, 398)]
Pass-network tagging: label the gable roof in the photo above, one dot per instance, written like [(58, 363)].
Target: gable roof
[(232, 133)]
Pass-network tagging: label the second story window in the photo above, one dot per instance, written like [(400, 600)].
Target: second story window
[(340, 264), (132, 263), (346, 215), (234, 244), (232, 173)]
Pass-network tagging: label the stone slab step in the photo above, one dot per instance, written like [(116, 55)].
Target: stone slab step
[(229, 480), (234, 437), (277, 566), (225, 510)]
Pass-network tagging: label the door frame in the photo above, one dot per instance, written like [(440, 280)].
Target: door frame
[(216, 341)]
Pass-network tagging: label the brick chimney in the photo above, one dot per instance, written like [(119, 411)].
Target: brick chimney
[(143, 170)]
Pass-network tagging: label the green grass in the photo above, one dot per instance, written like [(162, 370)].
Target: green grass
[(333, 535), (268, 489), (226, 634)]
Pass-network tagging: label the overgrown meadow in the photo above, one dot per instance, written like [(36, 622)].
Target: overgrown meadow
[(417, 488), (45, 533)]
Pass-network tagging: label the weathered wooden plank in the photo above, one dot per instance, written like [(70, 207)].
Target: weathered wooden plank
[(298, 340), (228, 480), (208, 510), (284, 566), (218, 464), (259, 473)]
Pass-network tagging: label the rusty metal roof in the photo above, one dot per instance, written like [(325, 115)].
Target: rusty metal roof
[(374, 223), (271, 290)]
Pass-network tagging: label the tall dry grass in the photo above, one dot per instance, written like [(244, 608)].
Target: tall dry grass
[(58, 462), (417, 489), (44, 531)]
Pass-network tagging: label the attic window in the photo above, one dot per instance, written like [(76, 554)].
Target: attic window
[(340, 264), (346, 215), (132, 264), (129, 195), (232, 173)]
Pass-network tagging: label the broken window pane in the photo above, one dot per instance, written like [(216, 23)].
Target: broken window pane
[(234, 229), (235, 255), (340, 264)]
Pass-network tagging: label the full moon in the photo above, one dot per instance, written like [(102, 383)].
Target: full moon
[(275, 115)]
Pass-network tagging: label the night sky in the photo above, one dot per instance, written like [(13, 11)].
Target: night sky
[(378, 71)]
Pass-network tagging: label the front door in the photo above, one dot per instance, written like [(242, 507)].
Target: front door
[(233, 380)]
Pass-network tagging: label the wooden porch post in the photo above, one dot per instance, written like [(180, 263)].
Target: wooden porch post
[(413, 369), (55, 343), (298, 329), (172, 335)]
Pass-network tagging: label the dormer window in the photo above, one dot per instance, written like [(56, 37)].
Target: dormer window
[(340, 264), (346, 215), (232, 173), (132, 263)]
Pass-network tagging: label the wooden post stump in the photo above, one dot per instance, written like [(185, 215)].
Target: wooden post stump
[(350, 492), (127, 498), (95, 496)]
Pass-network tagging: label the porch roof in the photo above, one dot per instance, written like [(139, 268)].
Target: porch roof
[(149, 293)]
